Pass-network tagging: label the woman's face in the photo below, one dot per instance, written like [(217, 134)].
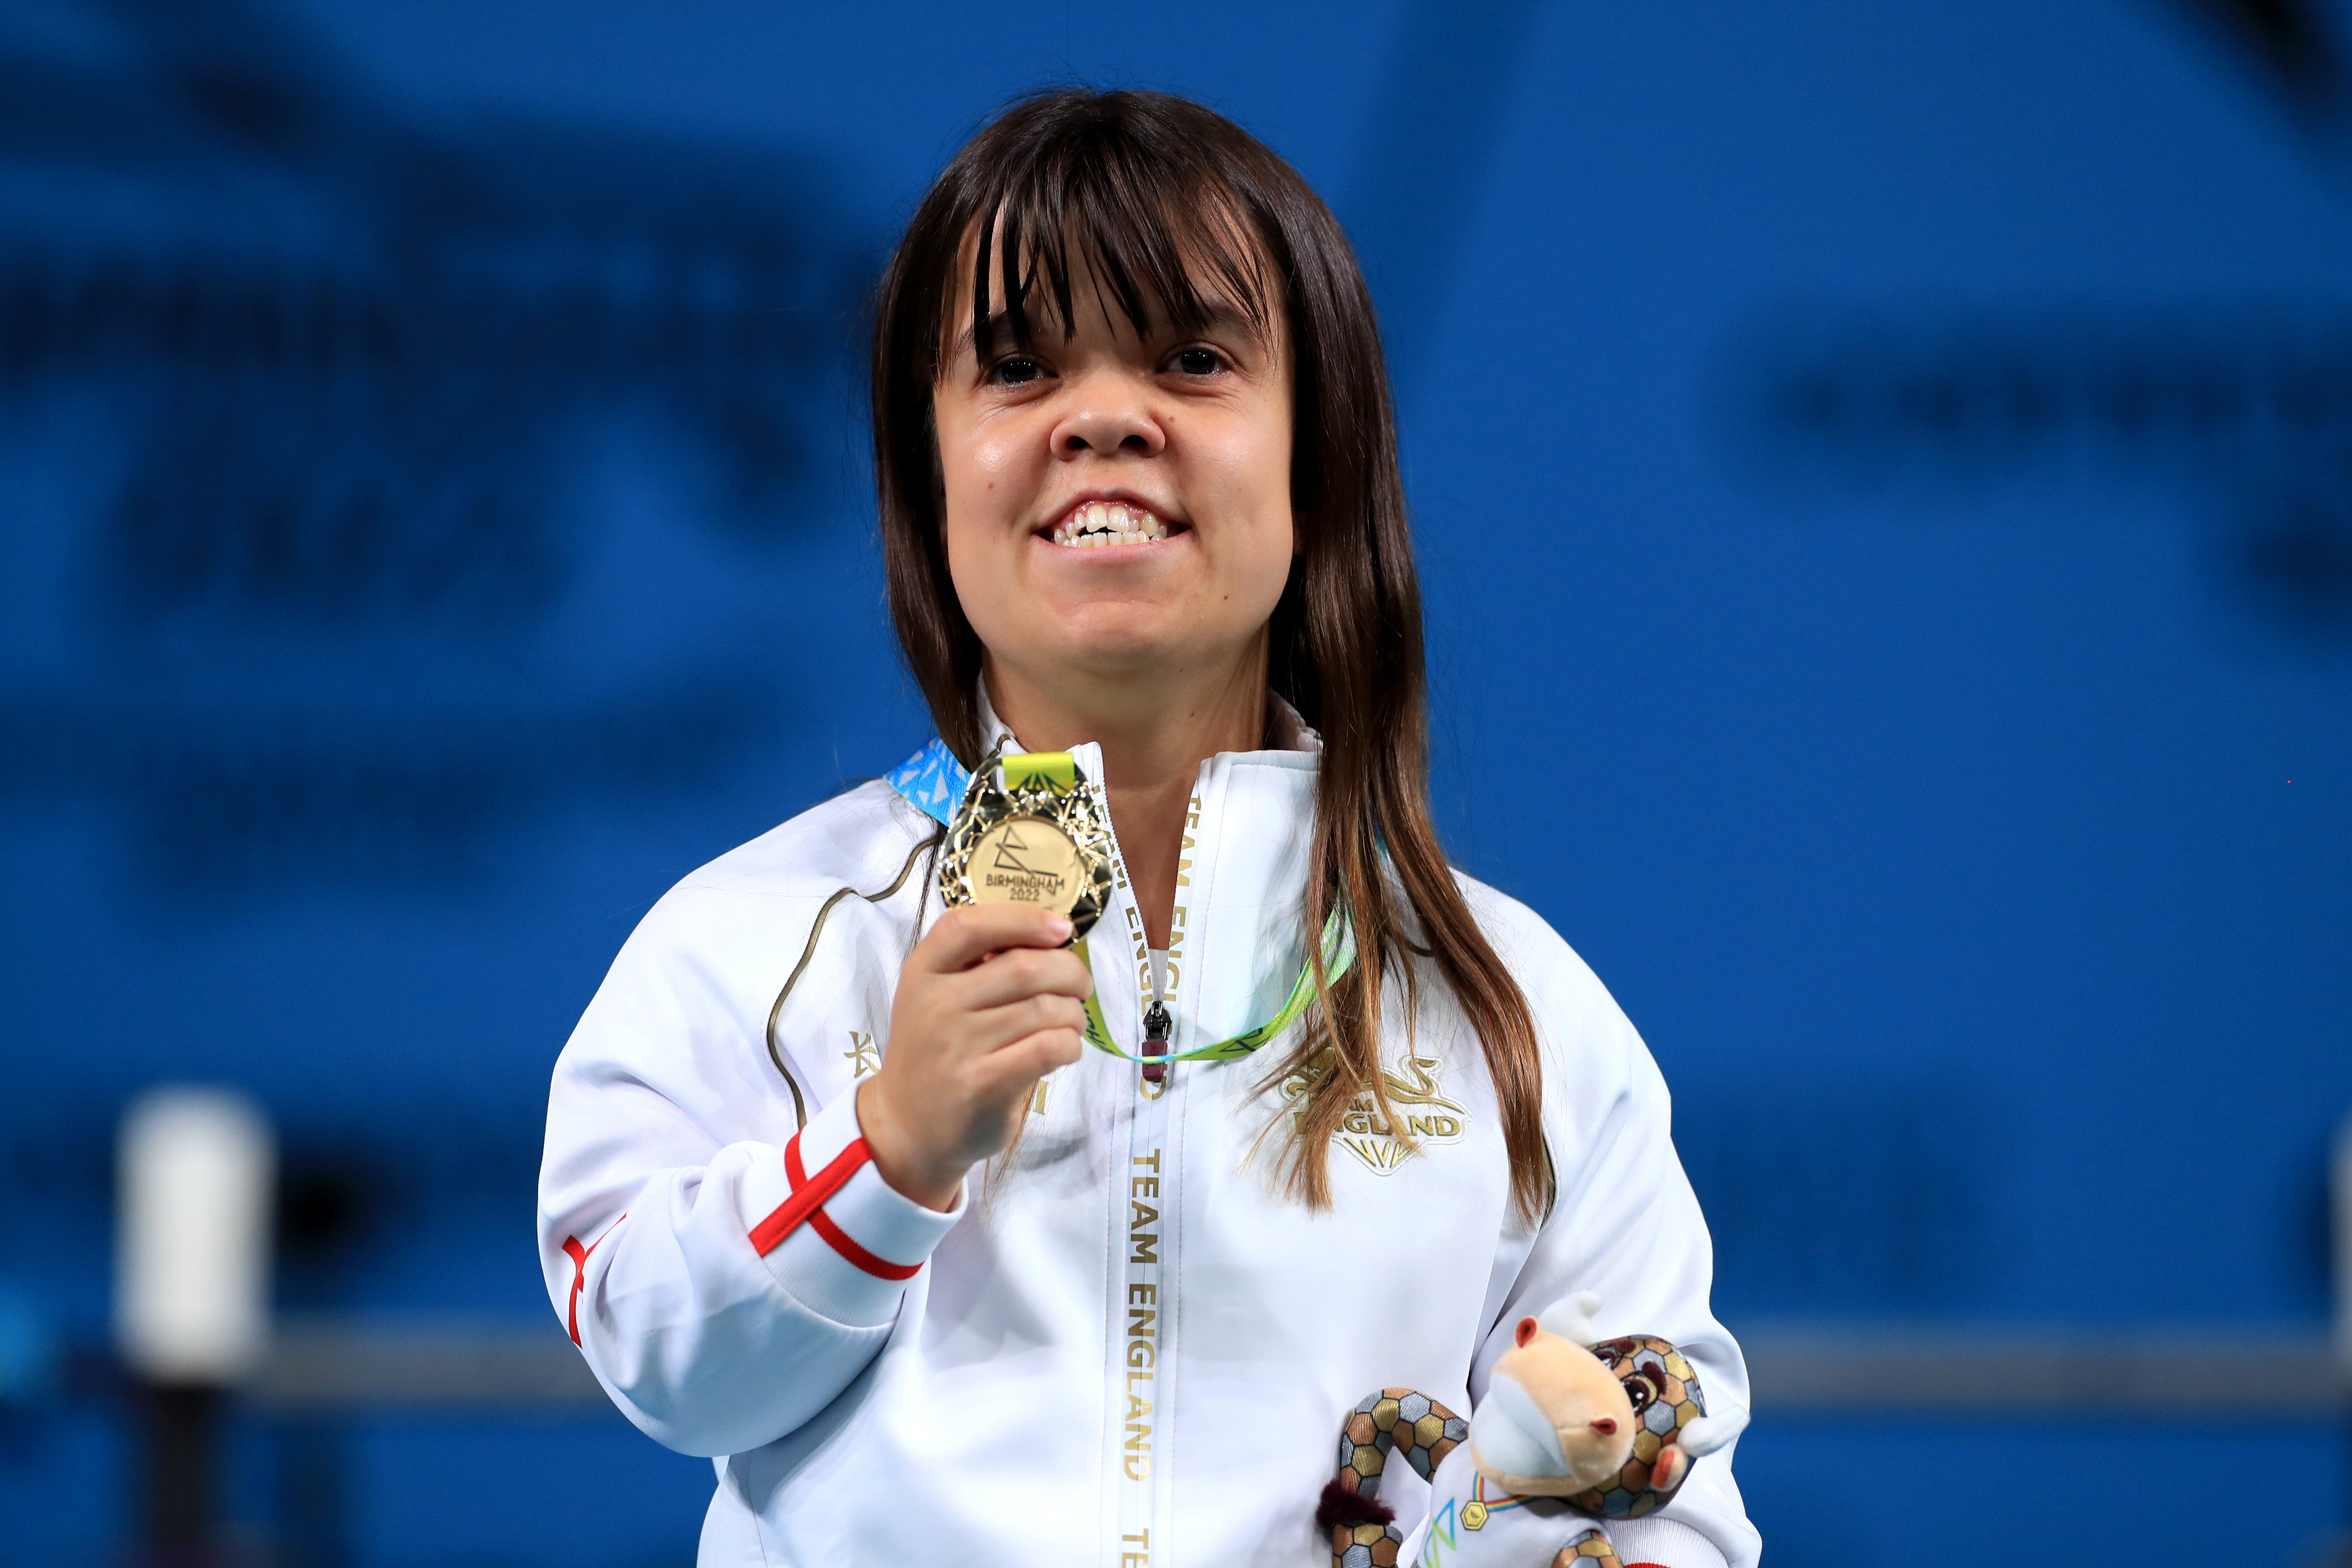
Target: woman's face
[(1117, 501)]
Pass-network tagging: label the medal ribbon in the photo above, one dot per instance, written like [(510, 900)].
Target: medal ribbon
[(1056, 770), (934, 783), (1339, 957)]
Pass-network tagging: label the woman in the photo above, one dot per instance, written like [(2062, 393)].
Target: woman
[(835, 1190)]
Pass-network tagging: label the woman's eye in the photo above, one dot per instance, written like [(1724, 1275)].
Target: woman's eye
[(1015, 372), (1199, 362)]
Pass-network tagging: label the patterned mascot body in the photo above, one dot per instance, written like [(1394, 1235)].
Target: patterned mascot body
[(1567, 1438)]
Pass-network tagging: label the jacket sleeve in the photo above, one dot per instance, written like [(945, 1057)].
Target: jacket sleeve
[(1626, 1226), (723, 1293)]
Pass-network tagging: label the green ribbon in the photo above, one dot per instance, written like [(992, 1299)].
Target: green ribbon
[(1338, 957), (1055, 771)]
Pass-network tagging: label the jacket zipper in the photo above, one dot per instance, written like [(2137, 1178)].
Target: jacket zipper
[(1156, 1022)]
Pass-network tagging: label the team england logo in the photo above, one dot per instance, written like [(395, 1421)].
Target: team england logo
[(1415, 1099)]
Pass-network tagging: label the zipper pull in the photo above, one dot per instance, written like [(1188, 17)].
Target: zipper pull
[(1155, 1033)]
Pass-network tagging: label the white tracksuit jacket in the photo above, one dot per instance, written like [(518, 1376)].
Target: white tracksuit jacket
[(1126, 1349)]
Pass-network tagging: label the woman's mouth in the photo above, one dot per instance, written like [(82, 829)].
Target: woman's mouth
[(1091, 524)]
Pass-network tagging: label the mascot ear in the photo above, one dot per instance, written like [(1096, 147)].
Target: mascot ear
[(1708, 1433), (1572, 1319)]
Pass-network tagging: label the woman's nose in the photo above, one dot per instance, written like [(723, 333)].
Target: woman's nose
[(1107, 418)]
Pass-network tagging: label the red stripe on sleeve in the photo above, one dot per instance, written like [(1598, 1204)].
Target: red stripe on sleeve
[(579, 1255), (807, 1196), (822, 1222)]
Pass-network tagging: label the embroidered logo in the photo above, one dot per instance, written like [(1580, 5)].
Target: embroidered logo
[(861, 1055), (1429, 1117)]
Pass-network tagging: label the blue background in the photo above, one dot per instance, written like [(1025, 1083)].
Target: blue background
[(1884, 482)]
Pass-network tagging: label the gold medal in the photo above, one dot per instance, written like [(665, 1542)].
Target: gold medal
[(1474, 1514), (1030, 832)]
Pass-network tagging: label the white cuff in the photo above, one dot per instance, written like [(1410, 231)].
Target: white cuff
[(857, 1276), (1667, 1542)]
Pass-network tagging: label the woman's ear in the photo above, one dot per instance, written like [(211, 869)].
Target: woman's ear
[(1525, 1331)]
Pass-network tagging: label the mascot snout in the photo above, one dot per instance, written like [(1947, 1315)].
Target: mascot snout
[(1555, 1420)]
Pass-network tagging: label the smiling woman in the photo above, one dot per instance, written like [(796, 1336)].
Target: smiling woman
[(1148, 557), (1125, 296)]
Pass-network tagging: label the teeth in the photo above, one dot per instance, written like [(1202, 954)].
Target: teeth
[(1095, 524)]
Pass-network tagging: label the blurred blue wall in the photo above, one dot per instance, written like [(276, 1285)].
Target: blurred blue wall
[(1884, 475)]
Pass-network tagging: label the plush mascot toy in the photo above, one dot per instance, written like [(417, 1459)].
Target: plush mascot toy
[(1566, 1439)]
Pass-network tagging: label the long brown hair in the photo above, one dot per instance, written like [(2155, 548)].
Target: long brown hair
[(1152, 192)]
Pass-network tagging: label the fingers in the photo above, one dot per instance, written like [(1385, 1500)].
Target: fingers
[(1006, 1078), (966, 935), (1026, 972), (997, 1028), (1029, 1057), (988, 1003)]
